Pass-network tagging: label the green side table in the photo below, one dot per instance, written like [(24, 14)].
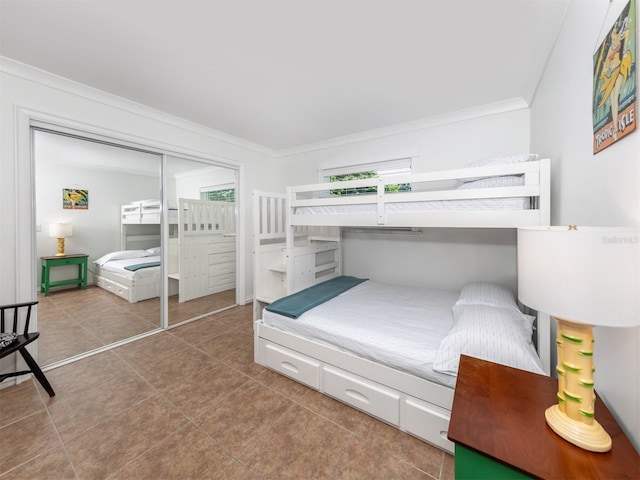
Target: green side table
[(79, 259)]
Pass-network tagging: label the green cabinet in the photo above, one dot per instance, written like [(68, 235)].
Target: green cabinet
[(470, 464), (79, 259)]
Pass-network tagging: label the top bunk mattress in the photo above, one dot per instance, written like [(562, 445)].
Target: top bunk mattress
[(398, 326), (483, 204)]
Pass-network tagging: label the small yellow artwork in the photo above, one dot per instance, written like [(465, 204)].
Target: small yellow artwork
[(75, 199)]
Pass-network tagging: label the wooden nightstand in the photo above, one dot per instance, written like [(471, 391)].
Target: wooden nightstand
[(498, 426), (79, 259)]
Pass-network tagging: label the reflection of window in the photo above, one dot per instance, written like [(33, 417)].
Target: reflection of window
[(371, 170), (218, 193)]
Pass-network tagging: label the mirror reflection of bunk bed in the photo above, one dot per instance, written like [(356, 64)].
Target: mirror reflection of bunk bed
[(201, 251), (297, 244), (202, 257)]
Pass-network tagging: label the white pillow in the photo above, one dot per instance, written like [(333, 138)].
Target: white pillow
[(485, 293), (121, 255), (492, 182), (489, 333), (504, 159), (152, 252)]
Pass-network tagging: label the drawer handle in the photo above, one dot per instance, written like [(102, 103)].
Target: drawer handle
[(289, 366), (357, 395)]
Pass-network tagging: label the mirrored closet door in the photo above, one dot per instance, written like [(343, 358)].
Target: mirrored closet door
[(101, 204), (201, 212)]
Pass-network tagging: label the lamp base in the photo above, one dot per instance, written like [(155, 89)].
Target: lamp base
[(60, 252), (589, 437)]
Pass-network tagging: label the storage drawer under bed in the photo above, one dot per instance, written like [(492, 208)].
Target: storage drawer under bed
[(113, 287), (429, 422), (299, 367), (363, 394), (424, 420)]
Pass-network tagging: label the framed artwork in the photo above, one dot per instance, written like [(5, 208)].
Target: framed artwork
[(614, 82), (75, 199)]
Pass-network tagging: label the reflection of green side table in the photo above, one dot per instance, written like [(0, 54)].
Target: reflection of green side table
[(79, 259)]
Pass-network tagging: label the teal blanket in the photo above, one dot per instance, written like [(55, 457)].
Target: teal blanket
[(296, 304), (138, 266)]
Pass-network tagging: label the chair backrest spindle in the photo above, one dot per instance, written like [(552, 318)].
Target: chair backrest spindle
[(13, 322)]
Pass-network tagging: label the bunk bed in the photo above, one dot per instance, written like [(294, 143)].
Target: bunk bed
[(297, 249), (146, 212), (201, 251), (202, 258)]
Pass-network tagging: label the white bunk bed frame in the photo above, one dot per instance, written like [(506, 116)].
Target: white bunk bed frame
[(412, 404), (135, 216), (193, 226), (145, 212), (536, 187), (204, 227)]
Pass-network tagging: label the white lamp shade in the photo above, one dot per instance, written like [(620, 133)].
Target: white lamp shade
[(60, 230), (589, 275)]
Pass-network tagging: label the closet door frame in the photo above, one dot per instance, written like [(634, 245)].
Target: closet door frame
[(25, 232)]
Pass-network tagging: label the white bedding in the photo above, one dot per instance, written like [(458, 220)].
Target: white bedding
[(394, 325), (118, 266)]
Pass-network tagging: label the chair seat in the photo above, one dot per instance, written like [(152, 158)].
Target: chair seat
[(18, 343)]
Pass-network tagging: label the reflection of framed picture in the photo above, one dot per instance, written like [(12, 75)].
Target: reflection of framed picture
[(614, 82), (75, 199)]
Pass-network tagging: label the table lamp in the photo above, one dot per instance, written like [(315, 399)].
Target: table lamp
[(60, 231), (584, 277)]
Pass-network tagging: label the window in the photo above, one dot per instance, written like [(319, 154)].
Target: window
[(218, 193), (371, 170)]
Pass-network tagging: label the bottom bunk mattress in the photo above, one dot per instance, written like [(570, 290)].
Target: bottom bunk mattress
[(397, 326), (131, 274)]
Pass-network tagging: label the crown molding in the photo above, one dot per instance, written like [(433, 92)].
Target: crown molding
[(57, 82), (36, 75)]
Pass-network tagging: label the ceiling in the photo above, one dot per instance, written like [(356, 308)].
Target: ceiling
[(286, 74)]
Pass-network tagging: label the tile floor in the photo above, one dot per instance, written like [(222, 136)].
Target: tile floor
[(74, 321), (190, 403)]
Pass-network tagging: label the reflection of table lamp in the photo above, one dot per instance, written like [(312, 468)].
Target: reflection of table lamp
[(60, 231), (584, 277)]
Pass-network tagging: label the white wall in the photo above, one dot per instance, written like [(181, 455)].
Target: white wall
[(28, 93), (96, 231), (188, 184), (444, 258), (589, 189)]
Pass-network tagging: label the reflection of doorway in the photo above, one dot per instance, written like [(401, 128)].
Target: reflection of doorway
[(73, 321)]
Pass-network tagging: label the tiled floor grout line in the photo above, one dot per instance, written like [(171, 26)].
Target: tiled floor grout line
[(336, 467), (224, 448), (58, 434), (225, 359)]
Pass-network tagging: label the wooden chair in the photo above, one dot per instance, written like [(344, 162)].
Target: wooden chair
[(21, 341)]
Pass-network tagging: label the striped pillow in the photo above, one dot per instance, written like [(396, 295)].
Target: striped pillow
[(494, 334)]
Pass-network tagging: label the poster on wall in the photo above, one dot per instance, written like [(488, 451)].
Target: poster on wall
[(614, 82), (75, 199)]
